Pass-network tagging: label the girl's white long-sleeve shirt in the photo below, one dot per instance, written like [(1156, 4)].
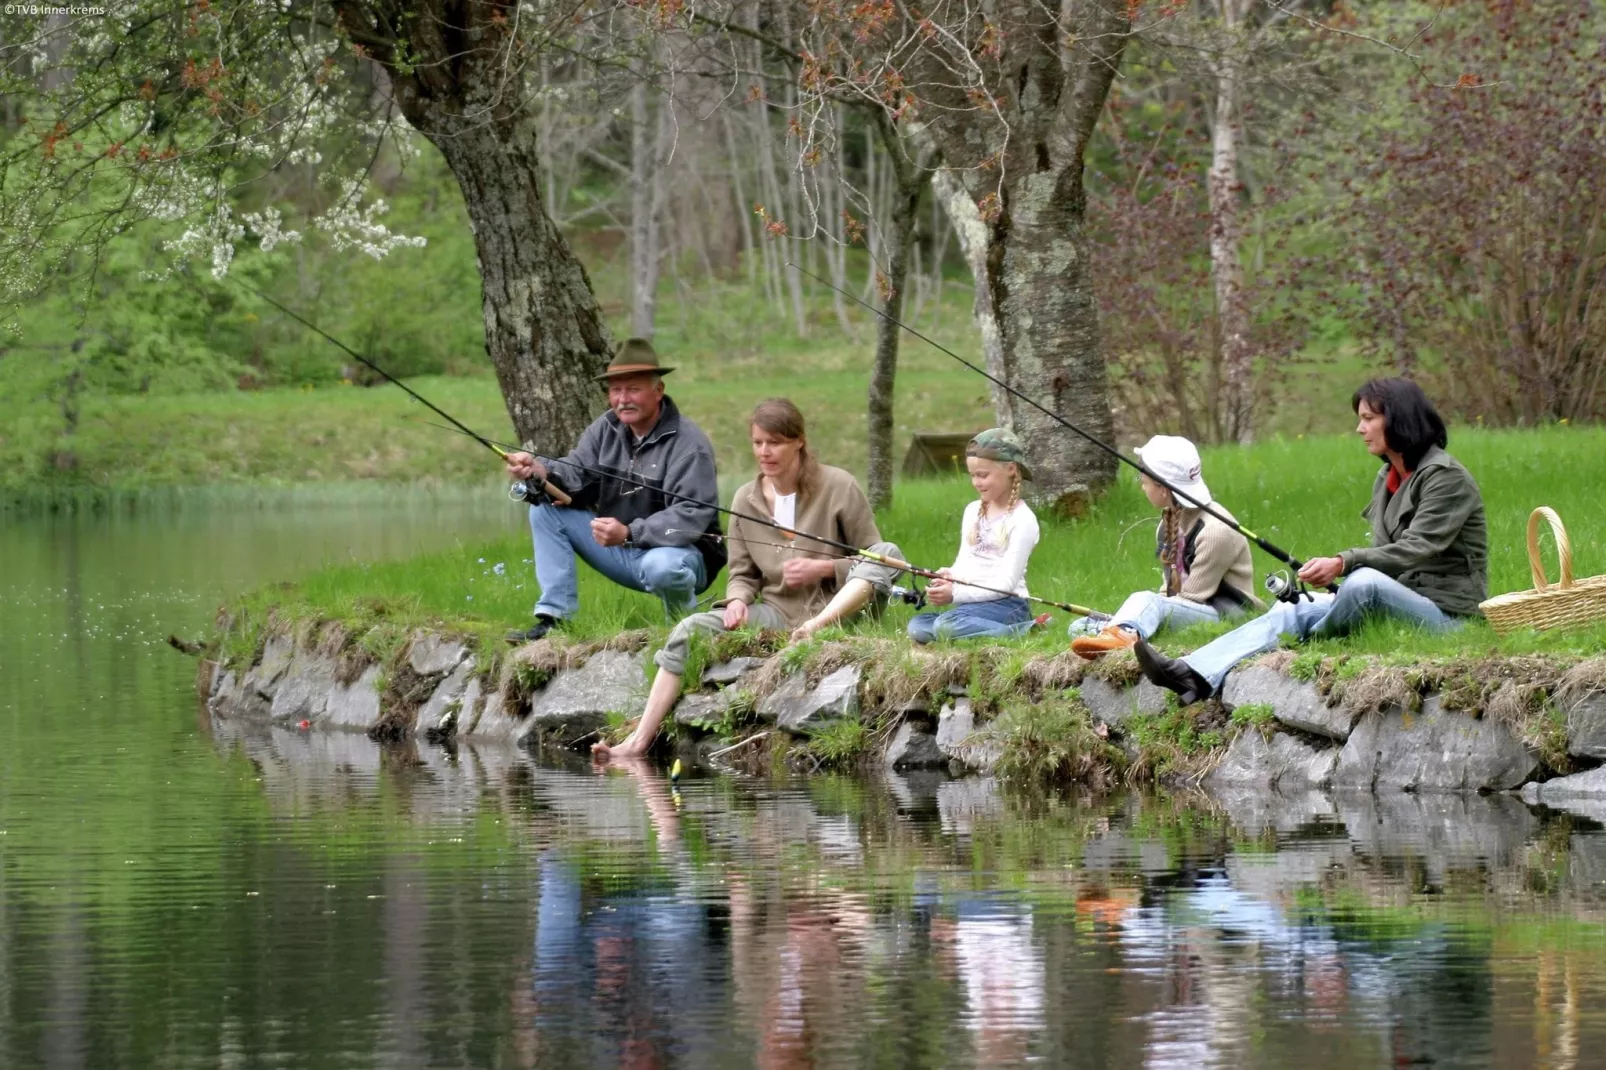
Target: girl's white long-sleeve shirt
[(998, 559)]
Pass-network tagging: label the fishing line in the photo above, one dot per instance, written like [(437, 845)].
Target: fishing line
[(555, 493), (913, 570), (1265, 544), (846, 550)]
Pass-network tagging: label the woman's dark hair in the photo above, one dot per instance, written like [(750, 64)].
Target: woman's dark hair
[(1411, 425)]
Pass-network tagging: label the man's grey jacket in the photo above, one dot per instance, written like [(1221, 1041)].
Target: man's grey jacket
[(675, 461)]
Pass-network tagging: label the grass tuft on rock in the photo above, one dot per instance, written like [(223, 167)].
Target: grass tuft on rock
[(1054, 742)]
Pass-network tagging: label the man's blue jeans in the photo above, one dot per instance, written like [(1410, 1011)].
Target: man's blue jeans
[(673, 573), (1364, 592)]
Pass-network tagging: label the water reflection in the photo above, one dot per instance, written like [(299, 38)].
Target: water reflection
[(915, 922), (182, 892)]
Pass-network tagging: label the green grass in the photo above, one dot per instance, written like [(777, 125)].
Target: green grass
[(1304, 494)]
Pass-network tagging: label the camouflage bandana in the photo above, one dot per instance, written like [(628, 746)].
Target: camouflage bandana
[(999, 444)]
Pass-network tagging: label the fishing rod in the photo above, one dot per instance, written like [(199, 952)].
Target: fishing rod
[(913, 570), (1265, 544), (846, 549), (532, 495)]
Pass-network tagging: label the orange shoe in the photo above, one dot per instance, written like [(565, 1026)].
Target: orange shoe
[(1113, 637)]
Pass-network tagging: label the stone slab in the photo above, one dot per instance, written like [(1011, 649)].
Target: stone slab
[(431, 654), (1434, 750), (355, 705), (913, 748), (962, 741), (801, 710), (1586, 727), (1587, 785), (494, 724), (1282, 762), (473, 707), (303, 691), (577, 701), (705, 709), (445, 704), (276, 656), (725, 673), (1115, 705), (1296, 703)]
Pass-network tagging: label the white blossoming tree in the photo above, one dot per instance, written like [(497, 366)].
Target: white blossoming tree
[(163, 109)]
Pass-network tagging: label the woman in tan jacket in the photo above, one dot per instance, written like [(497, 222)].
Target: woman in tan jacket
[(778, 581)]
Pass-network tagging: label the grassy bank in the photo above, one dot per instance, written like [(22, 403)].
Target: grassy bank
[(1304, 494)]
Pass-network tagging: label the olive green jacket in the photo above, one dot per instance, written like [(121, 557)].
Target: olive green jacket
[(1430, 534)]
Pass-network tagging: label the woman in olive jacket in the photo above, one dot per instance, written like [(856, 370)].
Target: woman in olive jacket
[(1428, 563)]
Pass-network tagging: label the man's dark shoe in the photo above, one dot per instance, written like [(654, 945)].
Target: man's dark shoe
[(538, 630), (1172, 674)]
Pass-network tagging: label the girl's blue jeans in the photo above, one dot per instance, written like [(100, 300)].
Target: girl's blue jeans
[(997, 618)]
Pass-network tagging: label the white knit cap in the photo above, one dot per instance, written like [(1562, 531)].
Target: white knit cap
[(1176, 461)]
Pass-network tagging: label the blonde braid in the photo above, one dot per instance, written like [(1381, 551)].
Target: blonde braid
[(1168, 546)]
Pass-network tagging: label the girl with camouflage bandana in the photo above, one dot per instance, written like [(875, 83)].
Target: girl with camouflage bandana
[(996, 538)]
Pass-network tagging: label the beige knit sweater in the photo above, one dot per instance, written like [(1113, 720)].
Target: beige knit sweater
[(830, 503)]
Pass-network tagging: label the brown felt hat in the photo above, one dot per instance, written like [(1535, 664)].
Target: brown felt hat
[(634, 356)]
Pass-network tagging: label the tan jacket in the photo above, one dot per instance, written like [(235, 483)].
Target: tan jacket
[(1219, 570), (833, 505)]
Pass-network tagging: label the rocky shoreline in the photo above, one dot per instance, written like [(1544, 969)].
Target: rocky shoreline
[(1284, 724)]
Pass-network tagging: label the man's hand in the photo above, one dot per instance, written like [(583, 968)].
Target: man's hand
[(609, 532), (1320, 571), (802, 571), (806, 629), (735, 614), (525, 466), (941, 592)]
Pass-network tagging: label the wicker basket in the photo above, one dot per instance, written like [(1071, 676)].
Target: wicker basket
[(1569, 604)]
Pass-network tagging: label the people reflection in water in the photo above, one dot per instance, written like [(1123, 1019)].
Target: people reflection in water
[(1000, 968)]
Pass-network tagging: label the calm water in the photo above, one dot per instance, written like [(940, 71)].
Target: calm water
[(177, 895)]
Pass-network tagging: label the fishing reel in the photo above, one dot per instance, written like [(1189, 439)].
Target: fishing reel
[(529, 492), (1286, 588), (912, 596)]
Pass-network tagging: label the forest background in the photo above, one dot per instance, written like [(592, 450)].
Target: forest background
[(1280, 198)]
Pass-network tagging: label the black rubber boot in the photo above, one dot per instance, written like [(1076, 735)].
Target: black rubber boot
[(538, 630), (1172, 674)]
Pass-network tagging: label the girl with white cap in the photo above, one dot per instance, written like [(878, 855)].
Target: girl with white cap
[(1205, 565)]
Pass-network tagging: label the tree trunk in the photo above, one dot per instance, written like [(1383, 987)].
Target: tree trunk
[(1048, 323), (899, 235), (1236, 402), (544, 330), (973, 234), (1019, 163), (646, 200)]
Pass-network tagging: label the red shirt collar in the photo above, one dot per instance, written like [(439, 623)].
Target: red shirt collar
[(1394, 480)]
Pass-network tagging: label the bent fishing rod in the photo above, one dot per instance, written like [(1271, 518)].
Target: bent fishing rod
[(546, 488), (893, 562), (1265, 544), (844, 549)]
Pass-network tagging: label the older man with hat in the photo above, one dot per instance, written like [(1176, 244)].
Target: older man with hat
[(643, 531)]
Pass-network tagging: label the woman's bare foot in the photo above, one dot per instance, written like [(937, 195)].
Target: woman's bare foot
[(630, 748)]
